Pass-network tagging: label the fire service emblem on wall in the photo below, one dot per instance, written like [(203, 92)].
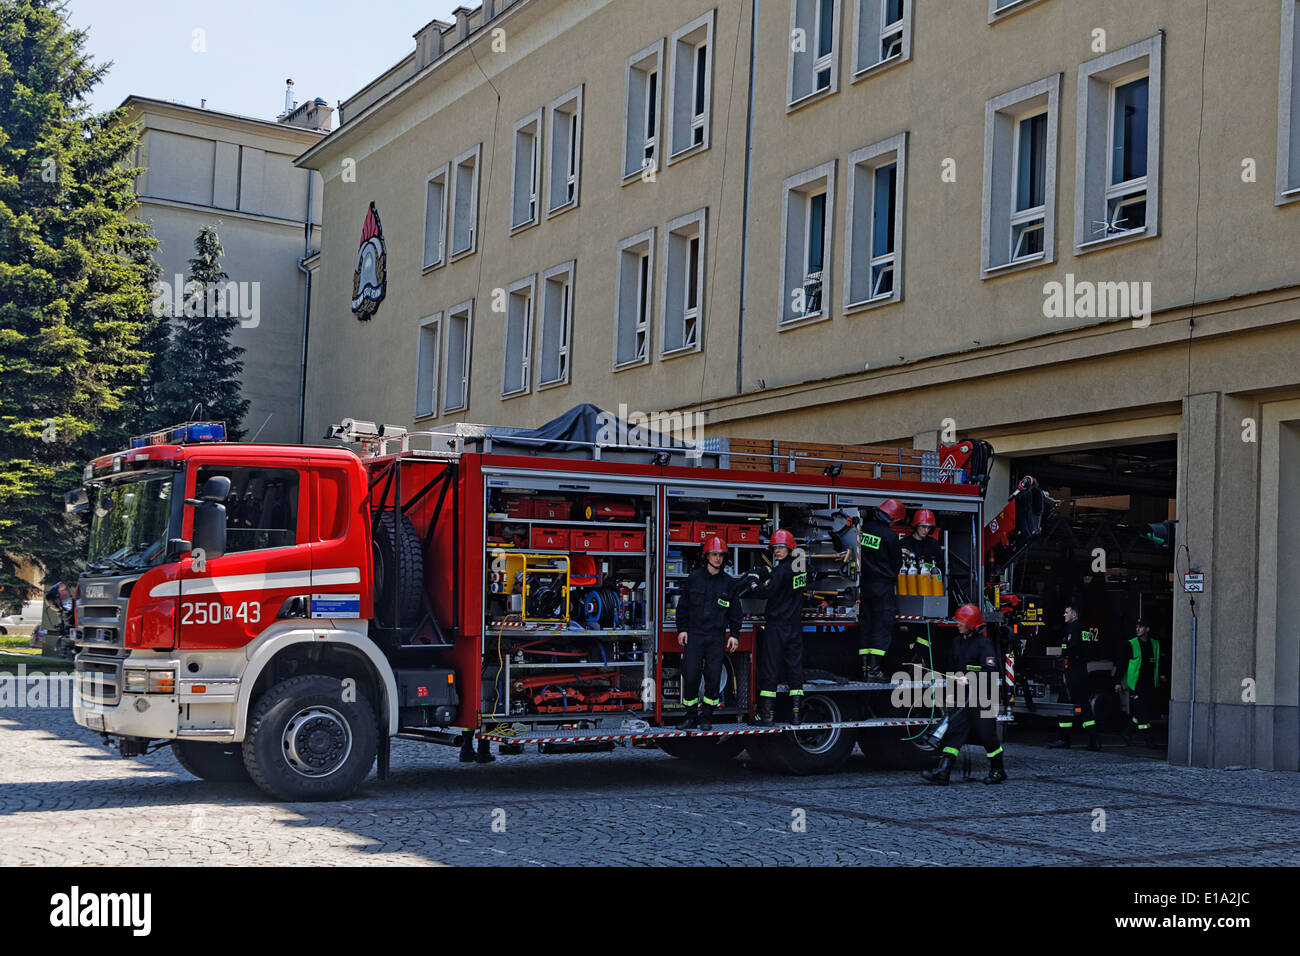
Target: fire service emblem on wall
[(370, 280)]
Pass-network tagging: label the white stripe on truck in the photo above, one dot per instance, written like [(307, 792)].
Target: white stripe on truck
[(257, 582)]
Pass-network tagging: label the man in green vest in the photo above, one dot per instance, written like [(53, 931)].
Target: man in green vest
[(1143, 680)]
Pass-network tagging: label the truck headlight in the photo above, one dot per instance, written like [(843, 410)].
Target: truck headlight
[(136, 681), (139, 680)]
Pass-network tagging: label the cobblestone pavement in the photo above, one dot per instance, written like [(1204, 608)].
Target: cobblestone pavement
[(67, 800)]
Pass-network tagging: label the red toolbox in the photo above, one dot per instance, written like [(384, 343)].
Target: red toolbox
[(553, 509), (609, 509), (519, 507), (627, 541), (550, 539), (704, 531), (588, 541), (742, 534), (681, 531)]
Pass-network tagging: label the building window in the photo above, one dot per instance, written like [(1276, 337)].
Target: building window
[(1000, 9), (1288, 106), (691, 96), (1117, 151), (516, 354), (525, 197), (683, 294), (643, 118), (464, 218), (873, 249), (426, 370), (636, 271), (814, 62), (455, 373), (807, 210), (1019, 211), (883, 36), (557, 326), (435, 218), (566, 151)]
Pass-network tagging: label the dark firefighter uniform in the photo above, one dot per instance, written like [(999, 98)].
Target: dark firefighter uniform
[(975, 655), (782, 629), (879, 560), (1142, 678), (1079, 649), (928, 549), (708, 607)]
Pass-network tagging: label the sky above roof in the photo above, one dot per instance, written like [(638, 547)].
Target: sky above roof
[(237, 54)]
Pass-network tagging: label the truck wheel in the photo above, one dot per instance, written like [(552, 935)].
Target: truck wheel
[(706, 750), (305, 742), (220, 763), (399, 571), (809, 751)]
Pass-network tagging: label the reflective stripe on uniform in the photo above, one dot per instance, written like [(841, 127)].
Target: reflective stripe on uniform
[(767, 693), (951, 750), (691, 703), (994, 753), (797, 692), (1065, 723), (711, 702), (1088, 723)]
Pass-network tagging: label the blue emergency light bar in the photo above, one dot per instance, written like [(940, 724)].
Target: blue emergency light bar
[(189, 433)]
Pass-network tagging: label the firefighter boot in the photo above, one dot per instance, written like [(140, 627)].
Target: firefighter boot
[(1092, 739), (939, 775), (764, 716), (692, 720), (706, 717), (795, 701), (996, 773), (1062, 741)]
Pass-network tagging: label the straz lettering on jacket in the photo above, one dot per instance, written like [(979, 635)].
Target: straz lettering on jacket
[(800, 582), (871, 541), (722, 602)]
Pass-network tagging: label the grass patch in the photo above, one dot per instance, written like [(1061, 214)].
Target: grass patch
[(9, 663), (15, 640)]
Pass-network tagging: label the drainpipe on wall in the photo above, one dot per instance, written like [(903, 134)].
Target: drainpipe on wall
[(306, 308), (744, 219)]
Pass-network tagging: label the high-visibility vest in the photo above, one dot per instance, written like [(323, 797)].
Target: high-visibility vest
[(1135, 662)]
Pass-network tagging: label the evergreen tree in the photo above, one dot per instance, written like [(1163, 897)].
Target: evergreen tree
[(201, 367), (75, 286)]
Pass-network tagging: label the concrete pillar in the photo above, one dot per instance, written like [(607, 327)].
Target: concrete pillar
[(926, 441)]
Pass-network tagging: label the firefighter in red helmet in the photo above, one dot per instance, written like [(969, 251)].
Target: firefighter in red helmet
[(707, 609), (783, 588), (921, 542), (974, 657), (879, 559)]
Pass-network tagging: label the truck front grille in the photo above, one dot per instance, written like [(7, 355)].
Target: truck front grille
[(99, 682)]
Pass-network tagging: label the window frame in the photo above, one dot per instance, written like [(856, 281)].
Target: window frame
[(874, 157), (682, 35), (534, 119), (807, 184), (302, 519), (568, 269), (435, 322), (674, 228), (1000, 11), (1288, 105), (452, 314), (1000, 181), (1093, 191), (475, 153), (512, 291), (634, 132), (625, 248), (443, 172), (573, 173), (814, 64), (868, 34)]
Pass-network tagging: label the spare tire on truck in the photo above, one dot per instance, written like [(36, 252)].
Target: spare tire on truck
[(398, 571)]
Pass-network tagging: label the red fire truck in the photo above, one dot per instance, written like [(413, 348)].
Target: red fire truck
[(284, 612)]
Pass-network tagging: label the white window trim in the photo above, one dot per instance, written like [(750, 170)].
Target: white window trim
[(566, 269), (863, 71), (557, 189), (468, 308), (655, 50), (445, 172), (475, 153), (698, 218), (999, 10), (434, 320), (1010, 104), (1150, 50), (1287, 192), (648, 239), (706, 21), (538, 154), (811, 34), (530, 318), (872, 157), (795, 184)]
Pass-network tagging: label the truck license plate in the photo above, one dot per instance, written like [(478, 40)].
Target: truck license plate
[(95, 722)]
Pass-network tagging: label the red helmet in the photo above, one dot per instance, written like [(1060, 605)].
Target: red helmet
[(969, 615), (714, 544), (783, 538), (893, 508), (924, 516)]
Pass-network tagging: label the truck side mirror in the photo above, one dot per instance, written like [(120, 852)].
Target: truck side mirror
[(216, 488), (210, 525)]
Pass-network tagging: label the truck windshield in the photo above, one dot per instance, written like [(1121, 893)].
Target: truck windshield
[(129, 524)]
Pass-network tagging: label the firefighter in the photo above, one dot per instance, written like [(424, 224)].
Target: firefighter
[(879, 560), (782, 646), (974, 655), (922, 541), (1079, 649), (1142, 679), (56, 621), (708, 607)]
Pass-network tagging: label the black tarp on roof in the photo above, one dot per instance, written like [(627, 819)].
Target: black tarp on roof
[(586, 423)]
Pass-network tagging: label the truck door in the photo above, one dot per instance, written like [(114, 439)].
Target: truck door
[(340, 554), (229, 601)]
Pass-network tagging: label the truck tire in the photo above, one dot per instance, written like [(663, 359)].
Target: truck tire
[(220, 763), (810, 751), (399, 571), (306, 742), (705, 750)]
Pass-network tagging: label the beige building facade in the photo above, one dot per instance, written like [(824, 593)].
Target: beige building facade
[(1066, 228)]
